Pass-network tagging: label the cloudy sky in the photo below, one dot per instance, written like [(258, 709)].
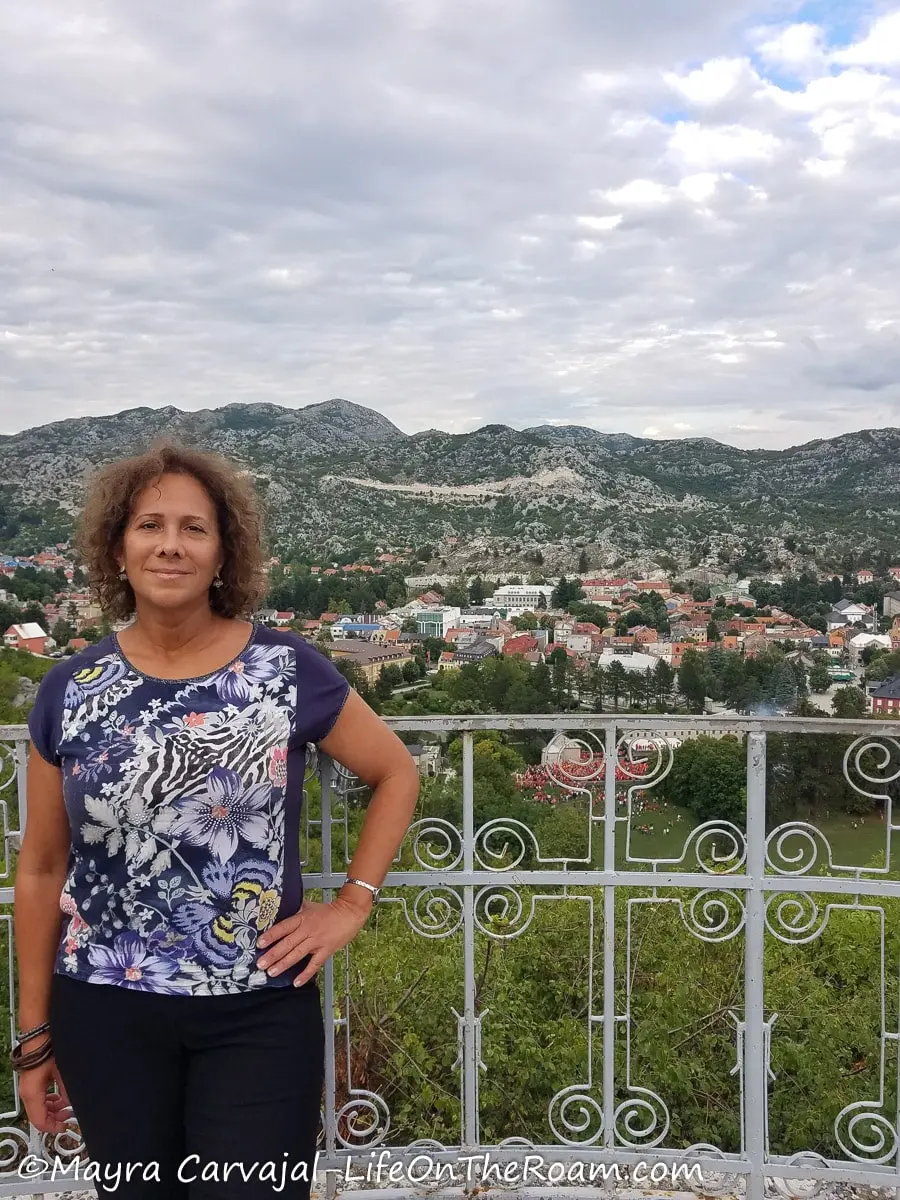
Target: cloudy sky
[(667, 217)]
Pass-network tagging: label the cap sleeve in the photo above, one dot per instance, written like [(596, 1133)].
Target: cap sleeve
[(45, 718), (322, 692)]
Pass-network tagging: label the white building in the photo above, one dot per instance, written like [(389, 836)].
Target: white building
[(518, 598), (579, 642), (847, 612), (435, 620), (862, 641), (631, 662)]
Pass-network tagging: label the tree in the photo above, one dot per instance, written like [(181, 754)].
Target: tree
[(476, 591), (565, 592), (708, 777), (434, 648), (784, 687), (849, 702), (457, 595), (700, 593), (389, 677), (35, 613), (879, 670), (692, 681), (663, 683), (582, 562), (525, 620), (819, 678), (712, 631), (616, 681), (62, 632), (595, 685)]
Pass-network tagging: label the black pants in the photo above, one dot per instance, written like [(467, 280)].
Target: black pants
[(193, 1084)]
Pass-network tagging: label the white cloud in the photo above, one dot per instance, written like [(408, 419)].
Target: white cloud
[(710, 83), (879, 48), (639, 192), (457, 213), (601, 223), (708, 147), (796, 48), (699, 187)]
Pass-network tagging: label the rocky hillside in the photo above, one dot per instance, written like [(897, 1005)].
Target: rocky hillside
[(337, 475)]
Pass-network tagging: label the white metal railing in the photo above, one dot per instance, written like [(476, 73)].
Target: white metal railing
[(729, 880)]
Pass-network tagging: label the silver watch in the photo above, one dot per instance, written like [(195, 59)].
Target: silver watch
[(376, 891)]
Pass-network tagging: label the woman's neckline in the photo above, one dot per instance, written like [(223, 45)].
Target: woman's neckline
[(254, 627)]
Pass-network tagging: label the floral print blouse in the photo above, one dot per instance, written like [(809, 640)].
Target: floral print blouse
[(184, 799)]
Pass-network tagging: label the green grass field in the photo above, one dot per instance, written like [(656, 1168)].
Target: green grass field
[(854, 840)]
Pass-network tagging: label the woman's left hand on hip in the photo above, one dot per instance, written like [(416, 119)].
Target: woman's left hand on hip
[(317, 929)]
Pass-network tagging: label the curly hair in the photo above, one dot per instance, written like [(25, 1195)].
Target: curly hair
[(111, 492)]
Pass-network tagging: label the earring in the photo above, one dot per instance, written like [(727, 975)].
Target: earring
[(123, 574), (217, 582)]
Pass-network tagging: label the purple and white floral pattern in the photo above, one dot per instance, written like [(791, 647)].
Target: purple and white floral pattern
[(178, 794), (224, 814), (129, 963)]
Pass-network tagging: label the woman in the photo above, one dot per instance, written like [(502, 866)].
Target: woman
[(177, 1011)]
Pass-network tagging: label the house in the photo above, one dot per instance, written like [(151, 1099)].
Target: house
[(447, 660), (475, 652), (580, 643), (837, 641), (283, 618), (434, 622), (522, 644), (661, 586), (865, 575), (370, 659), (427, 757), (862, 641), (77, 643), (644, 635), (345, 628), (631, 662), (517, 598), (266, 616), (894, 573), (754, 643), (890, 606), (886, 698), (603, 589), (28, 637), (623, 644), (385, 637), (847, 612)]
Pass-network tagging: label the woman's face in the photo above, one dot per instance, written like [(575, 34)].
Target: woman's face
[(171, 549)]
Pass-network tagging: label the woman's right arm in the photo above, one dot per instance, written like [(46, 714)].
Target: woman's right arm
[(40, 876)]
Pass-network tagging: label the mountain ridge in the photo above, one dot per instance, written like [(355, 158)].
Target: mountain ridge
[(336, 474)]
